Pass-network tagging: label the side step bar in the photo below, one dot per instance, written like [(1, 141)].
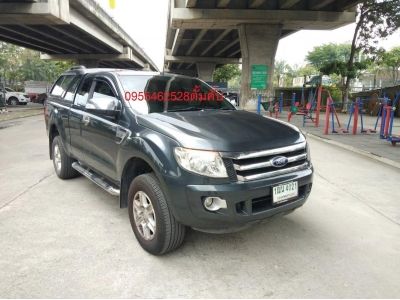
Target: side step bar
[(105, 185)]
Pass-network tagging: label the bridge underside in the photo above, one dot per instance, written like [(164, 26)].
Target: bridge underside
[(203, 34), (207, 30), (76, 29)]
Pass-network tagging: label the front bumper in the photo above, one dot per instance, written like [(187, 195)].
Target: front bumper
[(247, 202), (24, 100)]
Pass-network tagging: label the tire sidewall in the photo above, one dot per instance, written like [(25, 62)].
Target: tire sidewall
[(13, 101), (156, 245), (56, 141)]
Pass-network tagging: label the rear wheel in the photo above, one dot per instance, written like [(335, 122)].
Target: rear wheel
[(61, 161), (152, 222)]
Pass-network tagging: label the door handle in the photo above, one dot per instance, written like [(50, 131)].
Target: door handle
[(85, 120)]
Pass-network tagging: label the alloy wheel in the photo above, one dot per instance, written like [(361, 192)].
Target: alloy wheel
[(143, 213)]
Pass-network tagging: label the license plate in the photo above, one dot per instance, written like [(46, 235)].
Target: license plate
[(284, 192)]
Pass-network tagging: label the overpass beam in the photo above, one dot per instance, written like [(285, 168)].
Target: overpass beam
[(205, 70), (89, 63), (258, 44)]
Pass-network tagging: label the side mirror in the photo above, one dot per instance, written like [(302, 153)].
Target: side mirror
[(107, 106)]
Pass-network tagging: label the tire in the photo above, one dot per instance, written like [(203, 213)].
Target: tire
[(13, 101), (24, 103), (61, 161), (168, 234)]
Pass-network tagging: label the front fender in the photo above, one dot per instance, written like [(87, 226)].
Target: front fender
[(55, 123), (155, 149)]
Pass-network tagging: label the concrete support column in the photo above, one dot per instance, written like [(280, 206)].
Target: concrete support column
[(258, 44), (205, 70), (89, 63)]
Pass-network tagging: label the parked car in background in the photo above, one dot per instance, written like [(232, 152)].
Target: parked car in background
[(40, 98), (15, 98), (37, 90)]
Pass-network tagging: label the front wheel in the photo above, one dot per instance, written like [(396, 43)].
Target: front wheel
[(61, 161), (13, 101), (152, 222)]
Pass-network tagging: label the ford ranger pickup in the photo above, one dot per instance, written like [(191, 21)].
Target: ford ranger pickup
[(175, 152)]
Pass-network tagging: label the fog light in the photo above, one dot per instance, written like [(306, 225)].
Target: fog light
[(214, 203)]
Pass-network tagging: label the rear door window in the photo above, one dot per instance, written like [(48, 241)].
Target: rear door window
[(62, 85), (69, 95), (83, 92)]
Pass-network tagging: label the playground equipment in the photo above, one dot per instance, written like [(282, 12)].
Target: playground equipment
[(331, 115), (313, 105), (356, 112), (387, 119), (273, 106), (382, 104)]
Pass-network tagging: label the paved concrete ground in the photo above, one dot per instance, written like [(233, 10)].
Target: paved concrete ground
[(366, 142), (70, 239)]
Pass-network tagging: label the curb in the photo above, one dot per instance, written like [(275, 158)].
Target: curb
[(370, 155)]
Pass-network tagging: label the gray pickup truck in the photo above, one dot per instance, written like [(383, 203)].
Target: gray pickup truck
[(175, 152)]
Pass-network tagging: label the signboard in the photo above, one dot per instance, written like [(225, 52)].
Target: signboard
[(259, 77)]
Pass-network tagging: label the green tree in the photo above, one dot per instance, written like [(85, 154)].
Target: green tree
[(376, 20), (280, 69), (331, 59), (10, 61), (307, 70), (18, 64), (321, 56), (226, 73), (391, 59)]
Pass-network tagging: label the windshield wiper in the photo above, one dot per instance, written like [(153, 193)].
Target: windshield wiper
[(190, 108)]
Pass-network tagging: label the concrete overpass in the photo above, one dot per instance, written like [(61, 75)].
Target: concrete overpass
[(79, 30), (205, 33)]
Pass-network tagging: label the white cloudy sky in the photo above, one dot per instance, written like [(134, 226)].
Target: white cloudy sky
[(146, 22)]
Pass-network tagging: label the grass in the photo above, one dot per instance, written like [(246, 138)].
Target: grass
[(23, 113)]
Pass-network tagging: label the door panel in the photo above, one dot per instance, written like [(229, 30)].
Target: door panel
[(100, 133), (78, 144)]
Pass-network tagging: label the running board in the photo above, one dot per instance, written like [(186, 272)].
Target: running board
[(105, 185)]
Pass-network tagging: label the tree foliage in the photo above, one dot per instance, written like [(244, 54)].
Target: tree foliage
[(391, 60), (376, 20), (285, 73), (226, 73), (281, 69), (327, 54), (18, 64)]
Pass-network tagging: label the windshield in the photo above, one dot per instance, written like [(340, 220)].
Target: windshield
[(168, 93)]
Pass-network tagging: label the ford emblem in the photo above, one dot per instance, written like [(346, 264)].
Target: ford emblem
[(279, 161)]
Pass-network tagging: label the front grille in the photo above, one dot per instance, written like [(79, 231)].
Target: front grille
[(258, 165)]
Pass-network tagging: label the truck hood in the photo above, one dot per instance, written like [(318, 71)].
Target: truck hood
[(223, 130)]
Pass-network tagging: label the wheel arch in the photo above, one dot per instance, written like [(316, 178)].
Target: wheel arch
[(134, 167), (11, 98)]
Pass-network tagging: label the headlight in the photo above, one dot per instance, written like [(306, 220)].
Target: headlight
[(207, 163), (308, 152)]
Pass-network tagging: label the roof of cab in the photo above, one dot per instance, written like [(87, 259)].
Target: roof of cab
[(82, 70)]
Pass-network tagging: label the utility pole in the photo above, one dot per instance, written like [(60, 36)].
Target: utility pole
[(3, 107)]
